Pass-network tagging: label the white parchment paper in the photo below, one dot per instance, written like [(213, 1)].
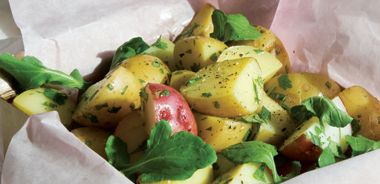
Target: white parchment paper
[(340, 38)]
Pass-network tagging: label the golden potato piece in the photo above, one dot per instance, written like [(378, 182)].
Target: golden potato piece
[(291, 89), (147, 69), (196, 52), (180, 77), (221, 133), (226, 89), (94, 138), (271, 43), (200, 25), (163, 48), (34, 101), (107, 102), (132, 131), (365, 108)]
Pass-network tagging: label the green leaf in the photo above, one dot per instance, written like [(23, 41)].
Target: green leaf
[(129, 49), (326, 158), (360, 144), (284, 81), (253, 152), (259, 174), (160, 44), (30, 73), (233, 27), (56, 96), (263, 117), (174, 157), (116, 151), (324, 109)]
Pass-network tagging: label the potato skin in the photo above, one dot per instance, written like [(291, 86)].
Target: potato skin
[(365, 108), (194, 53), (180, 77), (147, 69), (200, 25), (270, 43), (221, 133), (302, 149), (132, 131), (303, 86), (226, 89), (107, 102), (94, 138)]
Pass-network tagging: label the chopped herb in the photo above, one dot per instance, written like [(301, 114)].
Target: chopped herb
[(100, 106), (378, 119), (164, 93), (195, 67), (209, 129), (156, 63), (258, 51), (247, 135), (284, 81), (91, 117), (214, 57), (162, 71), (55, 96), (328, 85), (142, 81), (110, 86), (189, 51), (216, 105), (257, 95), (114, 109), (208, 94), (93, 95), (50, 105), (124, 90), (144, 95), (88, 142), (263, 117), (160, 44), (193, 80), (189, 30), (132, 106)]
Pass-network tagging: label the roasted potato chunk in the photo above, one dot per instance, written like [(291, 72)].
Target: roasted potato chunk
[(94, 138)]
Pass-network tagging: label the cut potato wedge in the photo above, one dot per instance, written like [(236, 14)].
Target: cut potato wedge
[(94, 138), (244, 173), (147, 69), (301, 144), (268, 63), (196, 52), (201, 176), (221, 133), (226, 89), (271, 43), (107, 102), (180, 77), (200, 25), (132, 131), (163, 49), (34, 101), (278, 128), (293, 88), (365, 108)]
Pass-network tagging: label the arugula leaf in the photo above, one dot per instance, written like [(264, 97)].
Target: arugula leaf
[(284, 81), (259, 174), (326, 158), (360, 144), (116, 151), (253, 152), (30, 73), (324, 109), (58, 97), (174, 157), (263, 117), (160, 44), (233, 27), (129, 49)]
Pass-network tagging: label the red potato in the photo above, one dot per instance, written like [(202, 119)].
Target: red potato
[(161, 102)]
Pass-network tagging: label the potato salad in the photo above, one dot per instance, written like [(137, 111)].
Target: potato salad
[(218, 104)]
